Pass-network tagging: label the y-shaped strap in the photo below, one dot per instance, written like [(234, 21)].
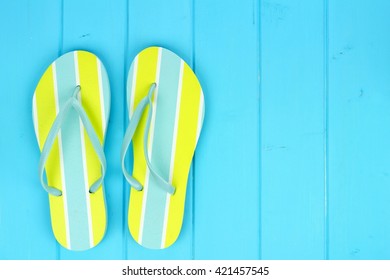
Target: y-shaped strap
[(73, 102), (133, 124)]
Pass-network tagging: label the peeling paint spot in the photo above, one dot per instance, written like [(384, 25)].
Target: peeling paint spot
[(274, 12), (274, 147), (85, 35), (346, 49), (355, 251)]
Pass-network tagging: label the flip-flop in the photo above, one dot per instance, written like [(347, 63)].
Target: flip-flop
[(71, 106), (164, 141)]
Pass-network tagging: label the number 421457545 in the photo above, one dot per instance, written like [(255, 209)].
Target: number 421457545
[(243, 270)]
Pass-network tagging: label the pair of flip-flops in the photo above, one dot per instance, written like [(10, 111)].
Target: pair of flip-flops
[(71, 108)]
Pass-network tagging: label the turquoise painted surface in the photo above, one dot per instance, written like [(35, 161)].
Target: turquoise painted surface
[(293, 161)]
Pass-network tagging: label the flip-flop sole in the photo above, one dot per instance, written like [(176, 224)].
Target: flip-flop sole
[(155, 217), (78, 218)]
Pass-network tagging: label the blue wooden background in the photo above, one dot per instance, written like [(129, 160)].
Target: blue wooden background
[(294, 158)]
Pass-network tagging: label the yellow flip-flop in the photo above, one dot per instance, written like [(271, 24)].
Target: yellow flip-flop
[(166, 111), (71, 106)]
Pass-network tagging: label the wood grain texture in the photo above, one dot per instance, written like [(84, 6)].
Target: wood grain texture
[(359, 134), (227, 160), (292, 130)]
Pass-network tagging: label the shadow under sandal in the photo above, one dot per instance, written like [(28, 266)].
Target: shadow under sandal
[(71, 107), (166, 110)]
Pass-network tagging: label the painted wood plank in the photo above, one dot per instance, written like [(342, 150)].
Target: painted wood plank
[(227, 158), (167, 24), (29, 42), (292, 130), (359, 134), (100, 27)]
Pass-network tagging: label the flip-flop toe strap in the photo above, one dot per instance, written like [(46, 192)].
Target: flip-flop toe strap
[(133, 124), (72, 103)]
